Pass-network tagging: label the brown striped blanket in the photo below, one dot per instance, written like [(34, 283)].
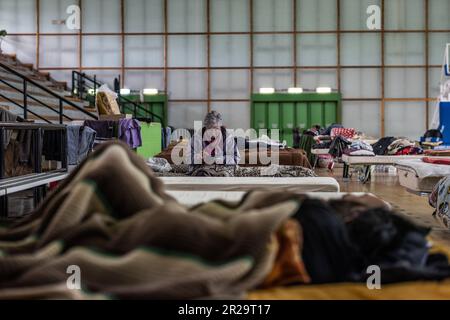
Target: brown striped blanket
[(113, 221)]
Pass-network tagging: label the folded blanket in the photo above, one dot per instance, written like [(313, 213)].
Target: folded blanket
[(436, 160)]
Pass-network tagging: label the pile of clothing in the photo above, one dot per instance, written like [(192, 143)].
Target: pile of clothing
[(137, 242), (396, 147), (359, 148)]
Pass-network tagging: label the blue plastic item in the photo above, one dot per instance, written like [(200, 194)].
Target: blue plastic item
[(444, 118)]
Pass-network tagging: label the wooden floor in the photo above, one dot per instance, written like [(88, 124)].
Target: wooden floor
[(387, 188)]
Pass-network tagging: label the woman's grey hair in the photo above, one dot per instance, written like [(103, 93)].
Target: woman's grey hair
[(213, 119)]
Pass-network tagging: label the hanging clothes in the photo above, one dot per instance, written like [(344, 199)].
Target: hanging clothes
[(130, 132), (80, 142)]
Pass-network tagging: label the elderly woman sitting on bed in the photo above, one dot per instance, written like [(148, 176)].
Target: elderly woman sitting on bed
[(214, 144)]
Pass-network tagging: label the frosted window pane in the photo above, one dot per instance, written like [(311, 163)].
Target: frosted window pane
[(230, 84), (404, 14), (437, 42), (187, 51), (277, 78), (104, 76), (439, 14), (273, 50), (144, 51), (101, 51), (316, 15), (183, 114), (272, 15), (434, 75), (187, 15), (361, 83), (361, 49), (230, 51), (405, 119), (187, 84), (51, 10), (405, 49), (311, 79), (23, 46), (236, 115), (230, 15), (59, 52), (363, 116), (316, 50), (138, 80), (101, 16), (13, 11), (144, 16), (405, 83), (353, 13)]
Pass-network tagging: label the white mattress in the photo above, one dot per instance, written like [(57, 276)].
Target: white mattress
[(192, 198), (314, 184), (420, 176), (374, 160)]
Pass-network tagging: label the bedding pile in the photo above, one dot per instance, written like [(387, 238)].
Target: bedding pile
[(228, 171), (113, 220), (392, 146)]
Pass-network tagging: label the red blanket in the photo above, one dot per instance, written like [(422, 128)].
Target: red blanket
[(445, 161)]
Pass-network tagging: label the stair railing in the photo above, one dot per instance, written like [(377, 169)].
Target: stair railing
[(26, 81)]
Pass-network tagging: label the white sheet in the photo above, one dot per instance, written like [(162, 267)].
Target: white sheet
[(316, 184), (423, 169), (192, 198), (369, 160)]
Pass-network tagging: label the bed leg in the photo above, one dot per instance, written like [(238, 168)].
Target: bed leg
[(367, 174), (346, 170)]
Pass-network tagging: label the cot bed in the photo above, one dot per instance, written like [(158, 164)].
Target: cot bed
[(307, 184), (193, 198), (368, 161), (418, 176)]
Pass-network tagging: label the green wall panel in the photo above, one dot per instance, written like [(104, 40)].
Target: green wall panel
[(285, 112)]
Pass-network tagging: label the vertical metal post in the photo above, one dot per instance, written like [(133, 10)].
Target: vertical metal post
[(3, 199), (25, 100), (64, 146), (73, 83), (60, 111), (95, 85)]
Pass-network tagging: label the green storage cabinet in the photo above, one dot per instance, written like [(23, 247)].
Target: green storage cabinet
[(156, 104), (151, 135), (285, 111)]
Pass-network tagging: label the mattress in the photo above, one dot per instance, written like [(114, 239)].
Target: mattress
[(374, 160), (315, 184), (419, 176), (192, 198)]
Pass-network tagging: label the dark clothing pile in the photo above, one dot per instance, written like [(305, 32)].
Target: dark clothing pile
[(338, 145), (339, 248), (395, 147)]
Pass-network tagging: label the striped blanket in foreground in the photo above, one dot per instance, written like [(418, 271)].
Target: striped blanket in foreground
[(113, 220)]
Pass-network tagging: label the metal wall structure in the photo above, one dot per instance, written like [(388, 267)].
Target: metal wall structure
[(212, 54)]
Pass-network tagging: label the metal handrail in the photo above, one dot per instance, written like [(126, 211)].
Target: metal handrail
[(136, 106), (35, 99), (62, 100)]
